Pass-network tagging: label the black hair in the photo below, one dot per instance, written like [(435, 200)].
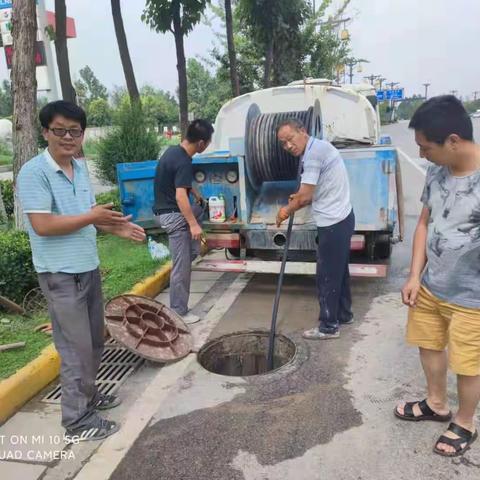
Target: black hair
[(65, 109), (291, 122), (198, 130), (439, 117)]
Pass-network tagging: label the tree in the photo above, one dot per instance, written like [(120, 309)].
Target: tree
[(178, 17), (206, 93), (407, 107), (159, 108), (124, 52), (3, 211), (231, 49), (99, 113), (276, 26), (24, 88), (89, 88), (61, 49)]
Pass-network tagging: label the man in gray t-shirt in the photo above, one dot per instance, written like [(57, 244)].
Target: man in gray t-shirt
[(453, 242), (443, 289)]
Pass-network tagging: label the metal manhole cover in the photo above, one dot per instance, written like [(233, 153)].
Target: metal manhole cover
[(116, 365), (148, 328)]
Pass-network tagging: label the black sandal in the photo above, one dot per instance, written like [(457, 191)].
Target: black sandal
[(427, 413), (466, 437)]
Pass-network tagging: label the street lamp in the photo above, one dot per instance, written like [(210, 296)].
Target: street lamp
[(350, 63), (426, 85)]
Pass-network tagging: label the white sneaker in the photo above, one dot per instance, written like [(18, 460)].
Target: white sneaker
[(190, 318), (316, 334)]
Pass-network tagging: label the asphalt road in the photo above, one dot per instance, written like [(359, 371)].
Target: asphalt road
[(327, 417)]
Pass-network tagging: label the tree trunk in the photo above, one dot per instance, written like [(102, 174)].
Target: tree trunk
[(181, 68), (267, 79), (3, 211), (68, 92), (124, 53), (231, 49), (24, 89)]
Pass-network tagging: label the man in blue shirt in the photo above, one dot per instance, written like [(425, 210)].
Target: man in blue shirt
[(325, 186), (62, 221)]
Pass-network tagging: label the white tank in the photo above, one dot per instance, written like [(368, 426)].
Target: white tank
[(344, 113)]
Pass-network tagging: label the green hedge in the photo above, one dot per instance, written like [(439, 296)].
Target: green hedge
[(17, 275), (112, 196), (129, 141)]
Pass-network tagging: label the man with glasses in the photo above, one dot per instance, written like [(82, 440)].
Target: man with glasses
[(62, 220)]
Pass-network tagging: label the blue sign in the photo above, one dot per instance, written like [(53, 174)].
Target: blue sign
[(5, 4), (397, 94)]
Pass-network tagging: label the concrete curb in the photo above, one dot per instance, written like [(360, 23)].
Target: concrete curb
[(24, 384)]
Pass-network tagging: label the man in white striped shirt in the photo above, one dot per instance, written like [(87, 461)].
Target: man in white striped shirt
[(62, 218)]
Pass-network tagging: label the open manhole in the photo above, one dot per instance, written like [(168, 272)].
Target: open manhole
[(244, 354)]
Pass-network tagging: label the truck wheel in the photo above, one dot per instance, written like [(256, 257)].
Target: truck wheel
[(383, 247)]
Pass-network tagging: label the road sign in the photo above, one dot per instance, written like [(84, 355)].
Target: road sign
[(396, 94)]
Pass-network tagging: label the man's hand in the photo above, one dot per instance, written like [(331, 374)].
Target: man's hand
[(104, 215), (410, 291), (130, 231), (282, 215), (196, 231)]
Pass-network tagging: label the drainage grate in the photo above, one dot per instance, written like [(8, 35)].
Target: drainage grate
[(116, 365)]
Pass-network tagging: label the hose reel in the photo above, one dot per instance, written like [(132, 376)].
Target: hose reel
[(266, 160)]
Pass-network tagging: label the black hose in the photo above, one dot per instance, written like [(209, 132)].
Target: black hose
[(273, 328)]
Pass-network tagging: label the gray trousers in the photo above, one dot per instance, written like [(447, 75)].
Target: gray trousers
[(183, 250), (75, 305)]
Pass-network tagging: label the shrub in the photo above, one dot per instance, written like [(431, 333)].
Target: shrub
[(7, 195), (112, 196), (129, 141), (17, 275)]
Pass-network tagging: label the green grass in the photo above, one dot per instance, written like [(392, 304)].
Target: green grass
[(123, 263), (6, 159), (20, 329)]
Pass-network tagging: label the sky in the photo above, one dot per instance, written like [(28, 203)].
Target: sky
[(406, 41)]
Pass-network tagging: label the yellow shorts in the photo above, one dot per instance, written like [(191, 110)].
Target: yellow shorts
[(435, 325)]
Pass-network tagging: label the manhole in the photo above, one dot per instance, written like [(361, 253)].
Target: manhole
[(147, 328), (244, 354), (116, 366)]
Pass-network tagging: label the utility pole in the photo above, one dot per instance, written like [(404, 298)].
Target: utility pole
[(380, 82), (475, 94), (426, 85), (372, 78), (392, 84), (314, 7)]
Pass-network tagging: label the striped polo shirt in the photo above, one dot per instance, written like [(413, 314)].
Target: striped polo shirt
[(43, 187)]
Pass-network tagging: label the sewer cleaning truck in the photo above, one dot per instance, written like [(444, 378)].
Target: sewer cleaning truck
[(248, 177)]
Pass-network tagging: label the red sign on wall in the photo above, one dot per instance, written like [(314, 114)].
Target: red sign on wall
[(40, 57)]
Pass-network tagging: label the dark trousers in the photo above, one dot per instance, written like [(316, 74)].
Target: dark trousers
[(333, 277), (76, 308)]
